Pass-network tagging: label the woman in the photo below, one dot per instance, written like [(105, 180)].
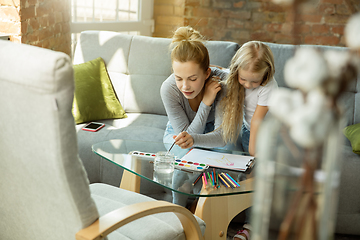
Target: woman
[(190, 95), (190, 98)]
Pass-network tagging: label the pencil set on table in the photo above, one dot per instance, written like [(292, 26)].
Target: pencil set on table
[(228, 181), (213, 179)]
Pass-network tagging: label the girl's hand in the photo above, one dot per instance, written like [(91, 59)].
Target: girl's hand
[(212, 87), (184, 140)]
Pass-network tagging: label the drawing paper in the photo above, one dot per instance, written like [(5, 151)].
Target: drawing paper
[(220, 160)]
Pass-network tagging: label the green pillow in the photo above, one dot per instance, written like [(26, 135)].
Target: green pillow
[(352, 132), (94, 97)]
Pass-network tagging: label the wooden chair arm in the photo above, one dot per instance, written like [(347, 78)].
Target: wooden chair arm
[(119, 217)]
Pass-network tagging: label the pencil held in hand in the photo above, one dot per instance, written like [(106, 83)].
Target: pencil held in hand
[(175, 141), (184, 140)]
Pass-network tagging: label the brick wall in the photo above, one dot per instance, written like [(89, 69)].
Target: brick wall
[(10, 19), (43, 23), (244, 20), (168, 15)]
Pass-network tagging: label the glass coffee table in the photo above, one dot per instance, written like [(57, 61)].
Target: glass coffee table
[(217, 207)]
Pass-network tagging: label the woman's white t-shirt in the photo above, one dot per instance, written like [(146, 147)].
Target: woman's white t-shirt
[(257, 96)]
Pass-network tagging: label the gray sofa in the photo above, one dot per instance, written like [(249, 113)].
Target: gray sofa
[(138, 65)]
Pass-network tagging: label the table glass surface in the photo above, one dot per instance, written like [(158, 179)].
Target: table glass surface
[(117, 151)]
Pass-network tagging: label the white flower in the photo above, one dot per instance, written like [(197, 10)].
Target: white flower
[(336, 61), (311, 135), (308, 119), (309, 123), (283, 101), (306, 70), (352, 32)]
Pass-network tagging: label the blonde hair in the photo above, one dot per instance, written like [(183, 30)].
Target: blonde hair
[(190, 47), (253, 56)]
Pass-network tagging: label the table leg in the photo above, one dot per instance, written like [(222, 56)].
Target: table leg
[(130, 181), (217, 212)]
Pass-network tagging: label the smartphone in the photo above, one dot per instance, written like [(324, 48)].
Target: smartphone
[(93, 126)]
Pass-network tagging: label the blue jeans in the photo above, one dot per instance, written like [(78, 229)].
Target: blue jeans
[(245, 137)]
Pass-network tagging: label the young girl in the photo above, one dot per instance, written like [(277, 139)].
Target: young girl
[(249, 85), (189, 95)]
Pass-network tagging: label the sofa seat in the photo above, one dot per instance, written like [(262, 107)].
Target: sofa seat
[(137, 126), (134, 120), (108, 198)]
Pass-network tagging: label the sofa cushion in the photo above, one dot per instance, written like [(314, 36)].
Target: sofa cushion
[(352, 132), (109, 198), (94, 95)]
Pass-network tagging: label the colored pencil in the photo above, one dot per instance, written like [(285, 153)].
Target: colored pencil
[(209, 178), (205, 179), (197, 179), (213, 179), (233, 179), (214, 176), (217, 179), (228, 180), (224, 182)]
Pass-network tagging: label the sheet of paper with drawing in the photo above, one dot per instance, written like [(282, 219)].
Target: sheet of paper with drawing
[(220, 160)]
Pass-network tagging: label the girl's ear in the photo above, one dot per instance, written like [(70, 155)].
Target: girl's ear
[(208, 71)]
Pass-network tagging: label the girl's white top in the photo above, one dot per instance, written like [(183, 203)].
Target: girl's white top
[(257, 96)]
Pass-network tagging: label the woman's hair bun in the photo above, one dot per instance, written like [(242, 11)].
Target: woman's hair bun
[(186, 34), (189, 46)]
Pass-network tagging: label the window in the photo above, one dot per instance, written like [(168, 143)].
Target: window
[(130, 16), (102, 11)]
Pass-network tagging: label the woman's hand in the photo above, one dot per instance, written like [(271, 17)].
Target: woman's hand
[(221, 68), (212, 87), (184, 140)]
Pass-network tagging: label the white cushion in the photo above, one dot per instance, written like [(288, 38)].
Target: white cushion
[(160, 226)]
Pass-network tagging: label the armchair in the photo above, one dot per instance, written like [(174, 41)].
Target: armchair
[(44, 189)]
